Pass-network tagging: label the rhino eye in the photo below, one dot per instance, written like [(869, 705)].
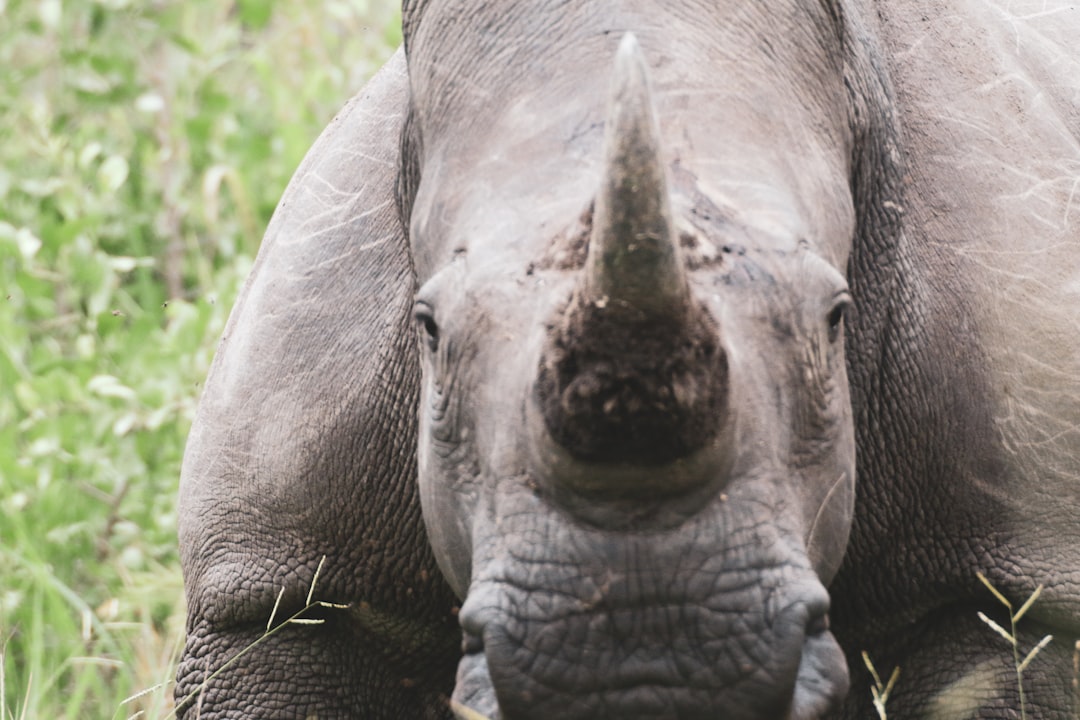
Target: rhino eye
[(425, 319), (836, 316)]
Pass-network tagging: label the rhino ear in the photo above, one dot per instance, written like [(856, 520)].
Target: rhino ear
[(633, 260)]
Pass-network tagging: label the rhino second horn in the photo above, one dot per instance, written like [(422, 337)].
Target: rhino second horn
[(634, 261)]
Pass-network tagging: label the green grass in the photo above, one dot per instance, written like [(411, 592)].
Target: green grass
[(143, 147)]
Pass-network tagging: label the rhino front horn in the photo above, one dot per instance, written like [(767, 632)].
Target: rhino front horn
[(633, 373), (634, 261)]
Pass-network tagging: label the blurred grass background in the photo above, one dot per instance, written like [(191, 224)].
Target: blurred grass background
[(143, 147)]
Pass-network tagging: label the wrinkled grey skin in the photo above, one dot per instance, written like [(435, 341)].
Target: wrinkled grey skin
[(922, 163)]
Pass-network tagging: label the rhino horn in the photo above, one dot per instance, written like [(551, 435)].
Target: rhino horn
[(633, 261), (634, 373)]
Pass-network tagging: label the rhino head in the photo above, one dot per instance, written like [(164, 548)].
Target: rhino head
[(636, 450)]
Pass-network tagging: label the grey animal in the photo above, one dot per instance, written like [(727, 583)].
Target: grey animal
[(626, 360)]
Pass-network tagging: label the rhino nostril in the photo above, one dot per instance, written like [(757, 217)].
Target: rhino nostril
[(818, 625), (471, 644)]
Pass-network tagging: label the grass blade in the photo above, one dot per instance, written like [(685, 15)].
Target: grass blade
[(1001, 598), (998, 629), (314, 579), (273, 613), (870, 666), (1027, 604), (1034, 651), (465, 713)]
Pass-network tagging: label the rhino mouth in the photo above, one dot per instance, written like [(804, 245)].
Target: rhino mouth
[(655, 636), (501, 679)]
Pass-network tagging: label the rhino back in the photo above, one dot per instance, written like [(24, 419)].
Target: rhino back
[(304, 447)]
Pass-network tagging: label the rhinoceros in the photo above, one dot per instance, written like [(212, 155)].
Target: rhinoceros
[(657, 360)]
